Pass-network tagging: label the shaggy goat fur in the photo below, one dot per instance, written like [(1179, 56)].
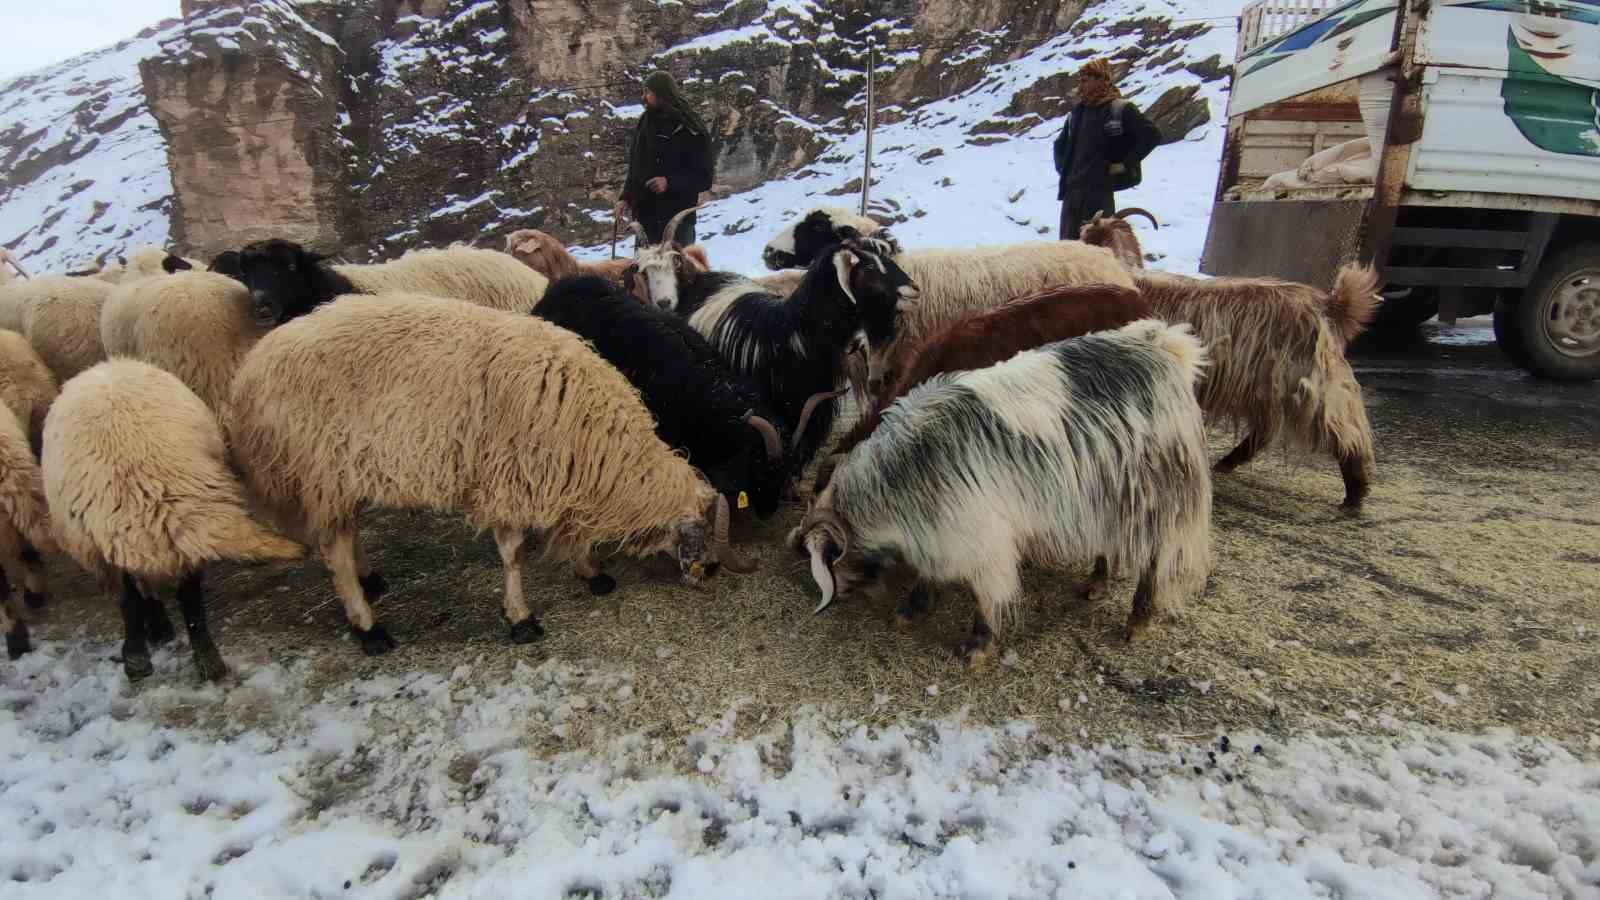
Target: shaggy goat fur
[(139, 487), (983, 339), (196, 325), (508, 419), (24, 531), (1277, 362), (1085, 448), (544, 254), (61, 319), (27, 387)]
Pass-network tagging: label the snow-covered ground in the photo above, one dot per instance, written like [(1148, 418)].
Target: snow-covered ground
[(963, 197), (427, 786)]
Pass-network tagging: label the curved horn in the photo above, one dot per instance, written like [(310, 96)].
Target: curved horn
[(16, 264), (1136, 211), (668, 232), (808, 409), (821, 572), (769, 436), (719, 540), (855, 369)]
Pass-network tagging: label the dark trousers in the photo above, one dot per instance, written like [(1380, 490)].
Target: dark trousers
[(654, 224), (1080, 207)]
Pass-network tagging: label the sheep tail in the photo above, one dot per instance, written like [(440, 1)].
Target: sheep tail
[(1177, 340), (1355, 300), (243, 540)]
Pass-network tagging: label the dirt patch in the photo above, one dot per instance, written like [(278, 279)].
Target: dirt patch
[(1464, 597)]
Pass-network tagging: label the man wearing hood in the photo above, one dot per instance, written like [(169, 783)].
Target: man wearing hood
[(1100, 148), (669, 161)]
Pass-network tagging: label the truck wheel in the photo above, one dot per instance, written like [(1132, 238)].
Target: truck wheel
[(1557, 323)]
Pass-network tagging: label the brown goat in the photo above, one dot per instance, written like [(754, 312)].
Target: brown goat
[(983, 339), (1277, 362), (1115, 233), (544, 254)]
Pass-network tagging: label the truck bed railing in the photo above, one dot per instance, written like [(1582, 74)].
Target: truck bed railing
[(1263, 20)]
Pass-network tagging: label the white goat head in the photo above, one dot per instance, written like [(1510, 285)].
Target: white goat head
[(662, 266)]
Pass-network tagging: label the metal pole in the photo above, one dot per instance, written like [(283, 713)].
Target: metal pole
[(872, 114)]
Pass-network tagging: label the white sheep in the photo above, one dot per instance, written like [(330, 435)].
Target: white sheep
[(24, 531), (141, 492), (60, 316)]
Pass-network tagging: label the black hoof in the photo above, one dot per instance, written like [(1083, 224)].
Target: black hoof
[(17, 642), (35, 601), (158, 628), (527, 631), (1351, 506), (137, 666), (209, 662), (374, 586), (375, 642), (601, 584)]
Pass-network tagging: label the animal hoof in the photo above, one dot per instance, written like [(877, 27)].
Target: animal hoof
[(17, 642), (137, 666), (601, 584), (976, 653), (1094, 590), (374, 586), (158, 628), (905, 619), (527, 631), (1134, 631), (35, 601), (209, 662), (1224, 467), (1351, 508), (375, 642)]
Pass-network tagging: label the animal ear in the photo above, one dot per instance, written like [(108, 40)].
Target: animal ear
[(845, 263), (698, 253), (528, 246), (174, 264), (847, 232)]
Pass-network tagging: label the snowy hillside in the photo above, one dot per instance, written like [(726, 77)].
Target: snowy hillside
[(83, 168), (958, 186), (425, 786)]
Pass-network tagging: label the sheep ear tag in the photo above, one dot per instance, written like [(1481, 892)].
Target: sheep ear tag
[(844, 262), (744, 500)]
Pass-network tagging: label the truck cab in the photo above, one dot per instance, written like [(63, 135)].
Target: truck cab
[(1455, 144)]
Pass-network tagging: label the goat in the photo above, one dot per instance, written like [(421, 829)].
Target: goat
[(1115, 233), (1088, 447)]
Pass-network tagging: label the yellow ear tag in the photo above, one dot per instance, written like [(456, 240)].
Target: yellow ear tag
[(696, 569), (744, 500)]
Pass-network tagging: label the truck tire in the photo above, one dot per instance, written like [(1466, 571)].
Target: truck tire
[(1557, 322)]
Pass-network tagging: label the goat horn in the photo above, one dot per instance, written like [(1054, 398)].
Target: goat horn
[(769, 436), (1136, 211), (820, 572), (20, 270), (669, 233), (808, 409), (855, 369), (719, 541)]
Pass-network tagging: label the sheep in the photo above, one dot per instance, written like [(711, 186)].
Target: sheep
[(24, 531), (1115, 233), (720, 420), (793, 347), (27, 386), (544, 254), (1278, 364), (196, 325), (1092, 446), (509, 419), (954, 283), (821, 227), (983, 339), (142, 262), (141, 493), (287, 281), (9, 262), (60, 316)]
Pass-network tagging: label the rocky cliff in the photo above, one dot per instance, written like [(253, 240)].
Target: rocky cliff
[(365, 127)]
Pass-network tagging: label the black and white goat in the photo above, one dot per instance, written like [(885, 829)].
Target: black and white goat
[(795, 347), (722, 421), (1085, 448)]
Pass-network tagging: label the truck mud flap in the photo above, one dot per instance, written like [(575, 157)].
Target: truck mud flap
[(1305, 241)]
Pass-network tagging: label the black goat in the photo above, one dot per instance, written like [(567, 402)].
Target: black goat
[(719, 419), (285, 279), (794, 347)]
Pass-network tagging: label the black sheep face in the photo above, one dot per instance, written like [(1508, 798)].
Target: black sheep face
[(284, 278), (798, 245)]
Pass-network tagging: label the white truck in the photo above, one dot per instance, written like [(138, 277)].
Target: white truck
[(1453, 143)]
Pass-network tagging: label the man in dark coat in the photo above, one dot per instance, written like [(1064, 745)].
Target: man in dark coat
[(669, 161), (1100, 148)]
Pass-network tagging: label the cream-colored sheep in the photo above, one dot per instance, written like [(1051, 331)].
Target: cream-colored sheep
[(140, 489), (24, 531), (26, 385), (482, 277), (196, 325), (417, 402), (61, 319)]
